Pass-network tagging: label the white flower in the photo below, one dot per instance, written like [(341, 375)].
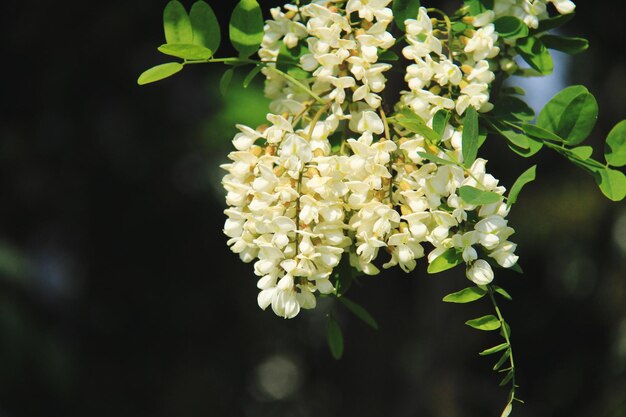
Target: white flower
[(480, 272), (481, 45), (564, 6)]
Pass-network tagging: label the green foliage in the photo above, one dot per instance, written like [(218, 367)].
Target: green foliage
[(186, 51), (404, 9), (413, 123), (470, 136), (440, 121), (612, 183), (494, 349), (360, 312), (615, 146), (535, 53), (569, 45), (477, 197), (227, 77), (486, 323), (526, 177), (510, 27), (246, 27), (546, 25), (159, 72), (466, 295), (250, 77), (449, 259), (434, 158), (206, 28), (176, 23), (335, 338), (571, 114), (513, 108)]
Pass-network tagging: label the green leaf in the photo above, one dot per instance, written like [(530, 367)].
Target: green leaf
[(552, 23), (568, 100), (478, 197), (526, 177), (513, 90), (517, 268), (534, 146), (253, 73), (479, 6), (615, 147), (494, 349), (502, 359), (510, 27), (514, 136), (469, 137), (449, 259), (507, 410), (159, 72), (388, 56), (487, 323), (246, 27), (403, 10), (289, 58), (539, 133), (583, 152), (509, 106), (412, 122), (436, 159), (176, 23), (612, 183), (335, 338), (534, 52), (507, 378), (569, 45), (502, 292), (466, 295), (186, 51), (206, 28), (227, 77), (440, 121), (359, 311), (578, 119)]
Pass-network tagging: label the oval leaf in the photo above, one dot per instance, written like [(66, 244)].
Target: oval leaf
[(176, 23), (246, 27), (578, 119), (466, 295), (550, 116), (583, 152), (469, 138), (534, 52), (335, 338), (403, 10), (612, 183), (206, 28), (159, 72), (449, 259), (478, 197), (359, 311), (510, 27), (526, 177), (412, 122), (227, 77), (487, 323), (186, 51), (615, 147), (571, 46)]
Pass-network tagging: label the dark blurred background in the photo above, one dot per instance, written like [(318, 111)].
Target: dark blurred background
[(118, 295)]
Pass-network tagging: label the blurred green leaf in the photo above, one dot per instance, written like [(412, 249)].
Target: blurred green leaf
[(250, 77), (433, 158), (440, 121), (578, 119), (359, 311), (502, 359), (412, 122), (510, 27), (552, 23), (612, 183), (494, 349), (335, 338), (502, 292), (583, 152), (227, 77), (508, 106)]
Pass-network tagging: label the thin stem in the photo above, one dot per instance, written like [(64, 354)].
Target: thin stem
[(296, 82), (448, 28), (507, 338)]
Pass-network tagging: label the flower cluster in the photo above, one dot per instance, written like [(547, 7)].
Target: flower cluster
[(530, 11), (332, 177)]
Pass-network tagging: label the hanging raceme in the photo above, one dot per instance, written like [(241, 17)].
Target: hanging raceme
[(343, 181)]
